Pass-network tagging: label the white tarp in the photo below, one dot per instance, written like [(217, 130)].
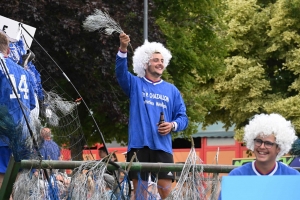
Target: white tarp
[(14, 30)]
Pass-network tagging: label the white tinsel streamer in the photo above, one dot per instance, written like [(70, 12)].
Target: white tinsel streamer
[(56, 107), (191, 182), (88, 182), (103, 22), (35, 123), (192, 185), (29, 188)]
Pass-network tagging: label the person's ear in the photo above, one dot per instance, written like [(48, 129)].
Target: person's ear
[(278, 149), (7, 52)]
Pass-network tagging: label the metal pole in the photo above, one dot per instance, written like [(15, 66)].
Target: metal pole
[(136, 166), (145, 20)]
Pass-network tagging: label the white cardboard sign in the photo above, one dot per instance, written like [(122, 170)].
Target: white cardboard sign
[(14, 30)]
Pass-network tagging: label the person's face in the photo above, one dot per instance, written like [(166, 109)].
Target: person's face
[(113, 158), (266, 152), (121, 177), (102, 154), (156, 66)]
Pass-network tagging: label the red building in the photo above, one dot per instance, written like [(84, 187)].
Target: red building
[(213, 145)]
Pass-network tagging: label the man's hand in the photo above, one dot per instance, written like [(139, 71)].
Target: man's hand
[(124, 41), (165, 128)]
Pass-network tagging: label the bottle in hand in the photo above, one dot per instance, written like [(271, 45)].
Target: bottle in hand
[(161, 118)]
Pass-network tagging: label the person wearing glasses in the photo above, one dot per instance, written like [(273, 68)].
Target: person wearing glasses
[(150, 96), (269, 136)]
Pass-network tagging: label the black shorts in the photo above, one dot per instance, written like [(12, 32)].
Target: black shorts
[(151, 156)]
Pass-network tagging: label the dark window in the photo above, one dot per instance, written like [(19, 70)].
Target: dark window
[(181, 143)]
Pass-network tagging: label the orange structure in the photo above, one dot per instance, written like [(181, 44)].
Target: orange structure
[(213, 145)]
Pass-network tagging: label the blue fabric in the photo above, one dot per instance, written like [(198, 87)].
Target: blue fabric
[(5, 153), (17, 49), (14, 135), (37, 79), (147, 100), (14, 52), (50, 150), (249, 169), (24, 86)]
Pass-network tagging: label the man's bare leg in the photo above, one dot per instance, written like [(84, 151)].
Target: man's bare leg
[(164, 187), (142, 189), (1, 179)]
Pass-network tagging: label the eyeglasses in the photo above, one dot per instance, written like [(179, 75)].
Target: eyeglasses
[(268, 145)]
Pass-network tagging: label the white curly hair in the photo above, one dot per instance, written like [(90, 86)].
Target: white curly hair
[(143, 54), (268, 124)]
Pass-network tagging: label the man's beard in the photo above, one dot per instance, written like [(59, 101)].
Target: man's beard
[(154, 73), (157, 74)]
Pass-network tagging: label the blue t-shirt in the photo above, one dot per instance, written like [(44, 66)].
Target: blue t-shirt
[(50, 150), (23, 85), (249, 169)]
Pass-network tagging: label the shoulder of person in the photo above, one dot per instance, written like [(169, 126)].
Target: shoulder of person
[(239, 170), (288, 169)]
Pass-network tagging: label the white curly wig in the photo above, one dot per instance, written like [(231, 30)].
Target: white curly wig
[(264, 125), (143, 54)]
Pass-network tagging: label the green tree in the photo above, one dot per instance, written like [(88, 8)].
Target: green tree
[(262, 69), (87, 58), (195, 34), (192, 30)]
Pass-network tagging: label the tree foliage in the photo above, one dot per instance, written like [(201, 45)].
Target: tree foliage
[(195, 34), (87, 58), (262, 69), (190, 29), (260, 72)]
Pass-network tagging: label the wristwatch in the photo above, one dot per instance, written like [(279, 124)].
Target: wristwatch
[(173, 126)]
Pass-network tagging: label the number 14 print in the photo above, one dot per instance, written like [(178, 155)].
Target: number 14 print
[(22, 87)]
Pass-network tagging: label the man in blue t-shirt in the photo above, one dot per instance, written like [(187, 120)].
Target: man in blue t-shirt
[(149, 97), (49, 149), (269, 136)]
